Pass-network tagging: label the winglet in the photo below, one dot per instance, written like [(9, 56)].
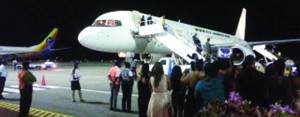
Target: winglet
[(240, 31), (48, 42)]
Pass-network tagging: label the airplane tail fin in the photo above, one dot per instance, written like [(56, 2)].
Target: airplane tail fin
[(240, 31), (48, 42)]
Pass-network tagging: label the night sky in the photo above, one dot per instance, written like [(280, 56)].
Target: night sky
[(27, 22)]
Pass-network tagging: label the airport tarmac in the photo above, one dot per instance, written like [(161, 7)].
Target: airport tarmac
[(55, 96)]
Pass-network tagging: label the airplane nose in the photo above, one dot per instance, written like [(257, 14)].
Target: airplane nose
[(82, 36), (87, 37)]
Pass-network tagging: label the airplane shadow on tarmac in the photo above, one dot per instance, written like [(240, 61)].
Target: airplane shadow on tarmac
[(94, 102), (132, 112)]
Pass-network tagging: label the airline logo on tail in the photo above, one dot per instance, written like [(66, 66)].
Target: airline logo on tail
[(48, 42)]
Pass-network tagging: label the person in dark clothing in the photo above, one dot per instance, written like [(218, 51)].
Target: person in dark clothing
[(279, 87), (250, 83), (143, 21), (149, 20), (270, 70), (194, 56), (26, 80), (190, 82), (197, 42), (229, 81), (178, 92), (126, 76), (143, 90)]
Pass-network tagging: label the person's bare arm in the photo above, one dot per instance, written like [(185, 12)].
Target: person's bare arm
[(185, 79), (150, 86), (169, 84)]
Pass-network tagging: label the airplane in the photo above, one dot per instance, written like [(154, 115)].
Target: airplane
[(122, 32), (36, 51)]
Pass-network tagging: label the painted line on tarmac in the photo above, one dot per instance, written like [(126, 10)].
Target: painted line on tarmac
[(96, 91), (36, 85), (88, 90), (33, 111)]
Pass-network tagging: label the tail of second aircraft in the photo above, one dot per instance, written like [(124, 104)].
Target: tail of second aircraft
[(241, 28), (47, 43)]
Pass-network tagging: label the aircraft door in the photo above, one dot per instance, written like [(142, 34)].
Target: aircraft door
[(135, 21)]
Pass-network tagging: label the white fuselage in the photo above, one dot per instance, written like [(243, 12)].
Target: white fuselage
[(121, 38), (7, 50)]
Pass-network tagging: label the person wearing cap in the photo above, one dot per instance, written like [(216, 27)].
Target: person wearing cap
[(3, 75), (26, 80), (114, 84), (75, 85)]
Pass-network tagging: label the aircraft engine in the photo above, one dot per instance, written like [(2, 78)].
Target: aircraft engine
[(151, 58), (239, 53)]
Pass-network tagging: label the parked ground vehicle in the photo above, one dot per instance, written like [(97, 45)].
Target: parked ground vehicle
[(44, 66), (31, 66), (48, 65), (168, 65)]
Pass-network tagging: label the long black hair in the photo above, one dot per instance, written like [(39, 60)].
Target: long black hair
[(157, 71), (175, 77), (75, 67)]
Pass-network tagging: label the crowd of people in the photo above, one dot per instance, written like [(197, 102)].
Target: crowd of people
[(188, 93)]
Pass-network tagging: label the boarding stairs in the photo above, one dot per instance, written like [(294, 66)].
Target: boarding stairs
[(165, 35)]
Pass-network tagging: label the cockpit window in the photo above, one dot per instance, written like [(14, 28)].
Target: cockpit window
[(107, 23)]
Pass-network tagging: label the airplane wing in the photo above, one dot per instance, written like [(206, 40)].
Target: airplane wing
[(274, 42), (258, 43), (58, 49)]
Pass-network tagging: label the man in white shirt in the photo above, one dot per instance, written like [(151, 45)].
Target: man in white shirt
[(3, 75)]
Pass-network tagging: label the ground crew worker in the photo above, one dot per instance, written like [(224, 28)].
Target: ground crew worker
[(26, 80), (114, 85)]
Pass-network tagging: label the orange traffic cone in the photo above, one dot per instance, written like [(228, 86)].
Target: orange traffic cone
[(43, 83)]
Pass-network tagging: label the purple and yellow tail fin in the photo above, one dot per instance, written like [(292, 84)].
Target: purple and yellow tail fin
[(48, 42)]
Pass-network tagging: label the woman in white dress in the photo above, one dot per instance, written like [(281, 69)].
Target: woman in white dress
[(160, 103)]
